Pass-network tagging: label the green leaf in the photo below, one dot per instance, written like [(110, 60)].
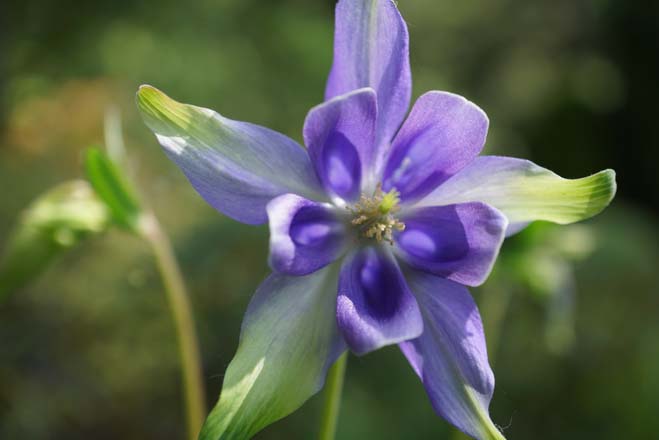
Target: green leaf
[(56, 221), (289, 339), (113, 189)]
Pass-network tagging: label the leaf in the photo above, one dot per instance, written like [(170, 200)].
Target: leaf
[(56, 221), (113, 189)]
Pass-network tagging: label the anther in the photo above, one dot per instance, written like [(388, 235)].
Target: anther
[(374, 215)]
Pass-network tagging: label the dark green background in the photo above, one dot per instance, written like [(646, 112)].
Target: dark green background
[(88, 350)]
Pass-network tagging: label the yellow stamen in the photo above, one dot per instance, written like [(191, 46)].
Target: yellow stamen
[(374, 215)]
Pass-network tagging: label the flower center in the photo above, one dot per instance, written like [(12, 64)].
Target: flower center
[(374, 216)]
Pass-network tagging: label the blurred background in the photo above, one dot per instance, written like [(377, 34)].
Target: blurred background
[(571, 314)]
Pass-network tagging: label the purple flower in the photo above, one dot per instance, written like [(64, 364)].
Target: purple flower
[(375, 228)]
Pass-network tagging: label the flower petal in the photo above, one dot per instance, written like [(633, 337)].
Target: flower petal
[(288, 341), (340, 135), (458, 242), (525, 192), (514, 228), (371, 49), (443, 133), (304, 235), (375, 307), (450, 356), (236, 167)]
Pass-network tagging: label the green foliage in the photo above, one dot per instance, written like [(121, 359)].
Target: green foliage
[(56, 221), (113, 189), (64, 216), (541, 262)]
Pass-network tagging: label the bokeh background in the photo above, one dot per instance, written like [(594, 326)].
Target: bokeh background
[(572, 314)]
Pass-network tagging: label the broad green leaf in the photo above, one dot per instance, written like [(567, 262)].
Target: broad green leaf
[(288, 341), (525, 192), (113, 189), (56, 221)]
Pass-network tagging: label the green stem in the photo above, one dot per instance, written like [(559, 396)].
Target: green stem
[(332, 405), (494, 308), (179, 305)]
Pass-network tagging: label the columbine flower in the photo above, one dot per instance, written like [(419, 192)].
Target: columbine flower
[(376, 228)]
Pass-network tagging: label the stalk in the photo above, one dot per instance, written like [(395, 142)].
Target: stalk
[(332, 405), (181, 312)]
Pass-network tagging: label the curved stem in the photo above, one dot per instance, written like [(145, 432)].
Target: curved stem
[(179, 306), (332, 405)]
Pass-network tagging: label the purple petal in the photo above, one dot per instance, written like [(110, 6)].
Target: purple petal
[(375, 307), (450, 356), (304, 235), (443, 133), (340, 136), (371, 49), (235, 166), (458, 242)]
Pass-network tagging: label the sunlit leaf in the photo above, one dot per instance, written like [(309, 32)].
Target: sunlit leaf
[(56, 221), (113, 189)]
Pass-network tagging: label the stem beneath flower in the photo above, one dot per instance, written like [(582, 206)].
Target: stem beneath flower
[(332, 405), (494, 308), (179, 305)]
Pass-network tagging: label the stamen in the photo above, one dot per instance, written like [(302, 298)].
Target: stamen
[(374, 215)]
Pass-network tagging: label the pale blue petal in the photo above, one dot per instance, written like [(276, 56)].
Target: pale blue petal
[(371, 49), (525, 192), (235, 166), (288, 341), (450, 356)]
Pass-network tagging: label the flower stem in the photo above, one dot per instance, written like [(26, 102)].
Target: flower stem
[(333, 391), (179, 306), (494, 308)]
